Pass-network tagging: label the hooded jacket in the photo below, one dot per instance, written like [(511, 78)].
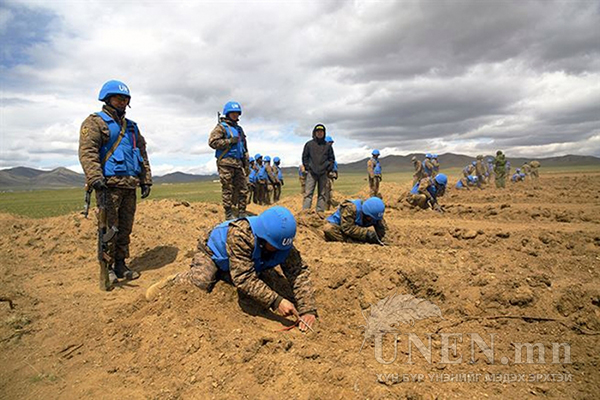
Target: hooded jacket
[(318, 156)]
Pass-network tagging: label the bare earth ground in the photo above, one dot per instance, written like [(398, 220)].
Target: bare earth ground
[(519, 252)]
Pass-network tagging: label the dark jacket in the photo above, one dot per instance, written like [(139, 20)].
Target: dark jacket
[(318, 156)]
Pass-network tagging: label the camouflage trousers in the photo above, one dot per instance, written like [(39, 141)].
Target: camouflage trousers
[(120, 212), (374, 186), (418, 200), (500, 179), (234, 186), (251, 193), (276, 192), (535, 174), (329, 191), (302, 184), (333, 233)]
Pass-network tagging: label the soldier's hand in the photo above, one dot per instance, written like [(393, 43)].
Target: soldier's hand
[(145, 191), (306, 319), (372, 237), (99, 185), (234, 140), (286, 308)]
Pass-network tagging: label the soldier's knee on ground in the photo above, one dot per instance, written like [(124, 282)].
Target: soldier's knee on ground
[(203, 272), (333, 233)]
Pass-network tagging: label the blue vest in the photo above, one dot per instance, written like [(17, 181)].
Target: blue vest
[(262, 173), (335, 166), (217, 244), (236, 150), (377, 169), (425, 169), (279, 174), (336, 217), (252, 175), (127, 159), (431, 189)]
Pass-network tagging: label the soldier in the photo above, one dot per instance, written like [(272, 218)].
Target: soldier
[(436, 165), (112, 153), (271, 181), (418, 170), (318, 158), (331, 177), (258, 187), (427, 165), (500, 169), (535, 166), (518, 176), (526, 169), (469, 169), (251, 181), (231, 151), (279, 176), (245, 251), (489, 170), (352, 220), (374, 174), (466, 182), (302, 177), (480, 170), (425, 193), (263, 182)]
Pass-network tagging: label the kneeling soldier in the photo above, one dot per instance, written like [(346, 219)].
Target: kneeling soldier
[(352, 220)]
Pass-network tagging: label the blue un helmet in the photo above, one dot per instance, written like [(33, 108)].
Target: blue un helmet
[(328, 139), (111, 88), (441, 179), (429, 155), (267, 159), (277, 226), (251, 159), (473, 163), (276, 160), (257, 156), (375, 152), (373, 208), (232, 106)]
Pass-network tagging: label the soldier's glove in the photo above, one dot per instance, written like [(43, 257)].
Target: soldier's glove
[(234, 140), (99, 185), (145, 191)]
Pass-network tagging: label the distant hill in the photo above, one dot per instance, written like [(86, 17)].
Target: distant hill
[(23, 178)]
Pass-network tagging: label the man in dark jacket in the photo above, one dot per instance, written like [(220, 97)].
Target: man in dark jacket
[(318, 160)]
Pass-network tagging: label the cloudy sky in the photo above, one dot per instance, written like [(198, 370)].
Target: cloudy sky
[(407, 76)]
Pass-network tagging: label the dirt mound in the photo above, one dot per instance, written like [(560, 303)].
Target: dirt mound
[(521, 264)]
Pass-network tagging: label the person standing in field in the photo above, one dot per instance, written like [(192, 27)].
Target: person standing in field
[(302, 177), (500, 169), (278, 174), (112, 153), (418, 170), (374, 173), (318, 158), (231, 151)]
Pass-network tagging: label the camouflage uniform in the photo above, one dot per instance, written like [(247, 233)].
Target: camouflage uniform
[(331, 177), (436, 167), (120, 195), (374, 180), (272, 181), (526, 169), (302, 178), (422, 199), (535, 166), (418, 170), (427, 167), (500, 170), (240, 246), (480, 171), (348, 231), (232, 171)]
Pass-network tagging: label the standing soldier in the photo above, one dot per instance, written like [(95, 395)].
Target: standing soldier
[(526, 169), (112, 153), (436, 165), (427, 165), (251, 181), (490, 170), (318, 159), (374, 173), (263, 181), (271, 179), (279, 176), (535, 166), (331, 177), (425, 193), (231, 151), (480, 170), (258, 165), (302, 177), (244, 252), (500, 169), (418, 170)]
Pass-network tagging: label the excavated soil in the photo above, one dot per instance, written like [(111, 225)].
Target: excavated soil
[(520, 264)]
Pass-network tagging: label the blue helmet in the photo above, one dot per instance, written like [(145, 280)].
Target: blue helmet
[(113, 87), (475, 178), (232, 106), (257, 156), (276, 160), (518, 169), (328, 139), (277, 226), (251, 159), (434, 156), (267, 159), (473, 163), (375, 152), (441, 179), (373, 208), (428, 155)]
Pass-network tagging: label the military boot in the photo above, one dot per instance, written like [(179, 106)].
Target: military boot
[(123, 272)]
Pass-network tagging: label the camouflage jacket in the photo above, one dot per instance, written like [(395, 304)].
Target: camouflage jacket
[(371, 167), (240, 246), (500, 163), (349, 227), (480, 168), (218, 140), (93, 135), (271, 173)]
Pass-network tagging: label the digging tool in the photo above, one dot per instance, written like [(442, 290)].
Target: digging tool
[(105, 235), (300, 320)]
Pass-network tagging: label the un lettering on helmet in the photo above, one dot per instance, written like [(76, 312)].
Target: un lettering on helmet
[(287, 241)]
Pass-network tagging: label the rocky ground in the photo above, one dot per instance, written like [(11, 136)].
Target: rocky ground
[(520, 264)]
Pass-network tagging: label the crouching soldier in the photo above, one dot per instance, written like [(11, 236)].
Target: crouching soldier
[(465, 183), (352, 220), (245, 251), (425, 193)]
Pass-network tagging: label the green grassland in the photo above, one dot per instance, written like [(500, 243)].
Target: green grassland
[(49, 203)]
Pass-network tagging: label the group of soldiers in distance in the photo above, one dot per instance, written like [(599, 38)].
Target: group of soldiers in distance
[(244, 248)]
